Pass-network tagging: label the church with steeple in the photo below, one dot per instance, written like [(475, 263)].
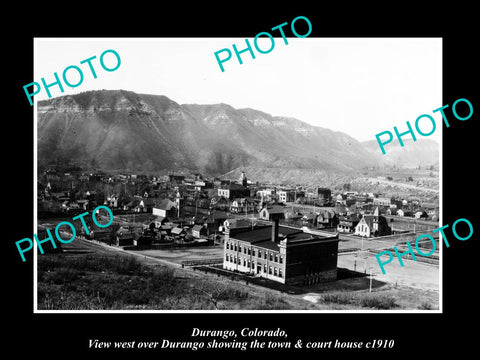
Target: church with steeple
[(373, 225)]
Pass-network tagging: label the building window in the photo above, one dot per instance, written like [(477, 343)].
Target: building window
[(228, 246), (280, 273), (249, 251), (248, 263), (270, 270), (226, 257), (244, 262), (235, 247), (253, 252), (265, 268), (259, 253), (276, 257), (239, 248), (281, 259), (253, 264), (275, 271), (245, 250), (234, 259), (271, 257), (265, 255)]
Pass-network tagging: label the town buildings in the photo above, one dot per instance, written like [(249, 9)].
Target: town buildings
[(284, 254), (373, 225), (347, 224)]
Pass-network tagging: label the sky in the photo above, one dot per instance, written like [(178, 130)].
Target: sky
[(359, 86)]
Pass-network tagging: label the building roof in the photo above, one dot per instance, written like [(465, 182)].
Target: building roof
[(275, 209), (177, 231), (125, 236), (165, 204), (262, 233), (369, 220), (350, 218), (232, 186), (310, 216), (197, 227), (261, 236)]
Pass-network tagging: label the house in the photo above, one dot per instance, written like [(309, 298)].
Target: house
[(60, 196), (421, 214), (266, 194), (373, 225), (145, 204), (392, 211), (272, 212), (178, 232), (215, 221), (346, 224), (232, 191), (310, 219), (285, 196), (382, 201), (198, 231), (70, 206), (219, 203), (165, 208), (143, 240), (400, 212), (160, 220), (340, 209), (99, 234), (324, 195), (124, 238), (83, 203), (242, 205), (327, 219), (283, 254)]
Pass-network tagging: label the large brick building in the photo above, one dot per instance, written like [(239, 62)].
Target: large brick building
[(281, 253)]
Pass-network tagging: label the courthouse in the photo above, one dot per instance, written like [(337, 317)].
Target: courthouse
[(280, 253)]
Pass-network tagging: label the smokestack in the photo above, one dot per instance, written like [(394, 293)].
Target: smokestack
[(275, 230)]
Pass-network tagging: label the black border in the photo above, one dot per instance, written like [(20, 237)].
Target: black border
[(59, 335)]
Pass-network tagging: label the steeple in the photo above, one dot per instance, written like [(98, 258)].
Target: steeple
[(243, 179)]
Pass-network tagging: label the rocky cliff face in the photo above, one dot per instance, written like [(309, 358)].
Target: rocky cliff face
[(122, 130)]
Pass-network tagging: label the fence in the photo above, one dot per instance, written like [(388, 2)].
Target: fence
[(202, 262)]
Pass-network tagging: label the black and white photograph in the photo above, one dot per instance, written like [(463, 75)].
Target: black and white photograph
[(239, 189)]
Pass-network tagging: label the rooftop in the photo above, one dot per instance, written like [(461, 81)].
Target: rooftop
[(261, 236)]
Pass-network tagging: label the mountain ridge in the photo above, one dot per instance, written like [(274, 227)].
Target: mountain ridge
[(124, 130)]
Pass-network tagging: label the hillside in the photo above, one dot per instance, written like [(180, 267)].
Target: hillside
[(423, 152), (122, 130)]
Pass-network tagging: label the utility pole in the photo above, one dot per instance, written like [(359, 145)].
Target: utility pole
[(370, 279)]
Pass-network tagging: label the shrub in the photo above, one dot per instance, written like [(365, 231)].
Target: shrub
[(339, 298), (425, 306), (60, 276), (379, 302)]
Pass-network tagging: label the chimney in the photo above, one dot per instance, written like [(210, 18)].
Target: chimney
[(275, 230)]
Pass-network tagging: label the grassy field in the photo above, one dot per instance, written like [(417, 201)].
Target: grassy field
[(118, 282), (92, 277)]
